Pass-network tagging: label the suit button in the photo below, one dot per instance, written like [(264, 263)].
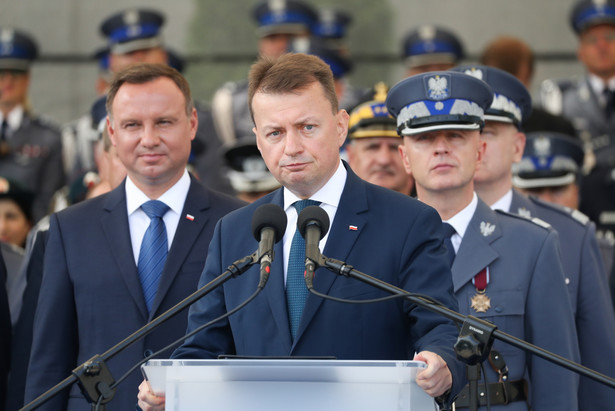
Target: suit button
[(147, 353)]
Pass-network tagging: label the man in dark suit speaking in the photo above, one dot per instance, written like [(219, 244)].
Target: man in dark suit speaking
[(119, 260), (299, 131)]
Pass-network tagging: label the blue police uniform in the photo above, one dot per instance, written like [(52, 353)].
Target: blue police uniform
[(517, 259), (590, 111), (30, 146), (429, 44), (553, 159)]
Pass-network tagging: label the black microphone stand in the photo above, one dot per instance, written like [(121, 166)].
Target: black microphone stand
[(94, 377), (476, 336)]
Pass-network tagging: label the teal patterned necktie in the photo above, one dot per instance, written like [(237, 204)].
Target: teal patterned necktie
[(154, 250), (296, 290)]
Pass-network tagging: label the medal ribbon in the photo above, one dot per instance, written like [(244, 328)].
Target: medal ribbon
[(481, 280)]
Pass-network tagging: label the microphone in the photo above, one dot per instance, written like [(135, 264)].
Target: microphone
[(268, 227), (313, 224)]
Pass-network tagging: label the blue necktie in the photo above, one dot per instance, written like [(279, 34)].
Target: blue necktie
[(296, 290), (448, 233), (154, 249)]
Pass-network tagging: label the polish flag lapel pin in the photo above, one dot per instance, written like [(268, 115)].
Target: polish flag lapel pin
[(189, 217)]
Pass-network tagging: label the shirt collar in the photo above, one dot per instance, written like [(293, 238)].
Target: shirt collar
[(598, 85), (461, 220), (174, 197), (329, 194), (503, 203), (14, 119)]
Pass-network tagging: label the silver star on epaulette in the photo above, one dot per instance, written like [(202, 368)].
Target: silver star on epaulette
[(524, 212), (486, 229)]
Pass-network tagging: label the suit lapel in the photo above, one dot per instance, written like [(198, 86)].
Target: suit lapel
[(197, 203), (115, 226), (275, 286), (476, 252), (341, 239)]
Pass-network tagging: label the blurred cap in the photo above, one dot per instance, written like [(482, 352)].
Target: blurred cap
[(550, 159), (102, 57), (175, 60), (429, 44), (331, 24), (371, 118), (98, 112), (284, 17), (17, 50), (439, 100), (588, 13), (134, 29), (512, 102), (12, 190), (247, 170), (339, 63)]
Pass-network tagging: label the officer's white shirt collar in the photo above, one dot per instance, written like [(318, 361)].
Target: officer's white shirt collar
[(461, 220), (329, 196), (14, 119), (138, 221), (598, 85), (504, 203)]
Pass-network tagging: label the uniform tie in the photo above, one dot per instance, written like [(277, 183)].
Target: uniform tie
[(448, 233), (154, 249), (4, 130), (609, 96), (296, 290)]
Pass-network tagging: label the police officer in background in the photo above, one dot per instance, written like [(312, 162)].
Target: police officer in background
[(431, 48), (279, 22), (588, 101), (30, 146), (373, 145), (584, 272)]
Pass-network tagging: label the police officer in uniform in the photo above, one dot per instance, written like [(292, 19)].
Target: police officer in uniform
[(279, 22), (431, 48), (30, 146), (505, 268), (373, 144), (588, 100), (584, 272)]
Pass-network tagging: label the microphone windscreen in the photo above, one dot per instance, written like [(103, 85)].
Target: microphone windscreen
[(269, 215), (313, 215)]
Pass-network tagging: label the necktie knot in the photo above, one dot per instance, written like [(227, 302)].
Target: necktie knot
[(155, 208), (449, 230), (302, 204)]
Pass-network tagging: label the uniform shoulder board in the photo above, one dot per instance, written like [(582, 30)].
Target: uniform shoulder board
[(45, 121), (575, 214), (540, 222)]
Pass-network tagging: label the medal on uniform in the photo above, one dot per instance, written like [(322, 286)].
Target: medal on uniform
[(480, 302)]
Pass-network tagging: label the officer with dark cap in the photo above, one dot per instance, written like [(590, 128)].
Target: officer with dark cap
[(30, 147), (584, 271), (588, 100), (505, 268), (431, 48), (373, 144), (332, 26), (279, 22), (247, 171), (551, 168)]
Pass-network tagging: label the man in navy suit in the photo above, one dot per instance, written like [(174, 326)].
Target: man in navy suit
[(584, 273), (92, 295), (506, 269), (299, 131)]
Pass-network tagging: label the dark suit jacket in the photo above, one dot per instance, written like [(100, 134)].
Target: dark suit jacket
[(397, 239), (5, 334), (91, 297), (588, 290)]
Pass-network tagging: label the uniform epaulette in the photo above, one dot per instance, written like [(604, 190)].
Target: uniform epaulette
[(575, 214), (534, 220), (551, 92), (45, 121)]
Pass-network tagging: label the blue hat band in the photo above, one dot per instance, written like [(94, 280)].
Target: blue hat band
[(134, 32), (10, 50), (284, 17), (432, 46), (338, 69), (599, 12), (329, 30)]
